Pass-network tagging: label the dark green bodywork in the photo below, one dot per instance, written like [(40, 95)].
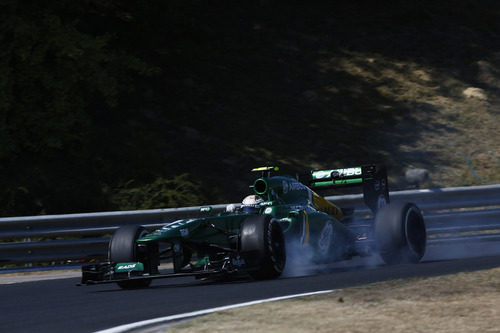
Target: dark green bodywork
[(290, 221)]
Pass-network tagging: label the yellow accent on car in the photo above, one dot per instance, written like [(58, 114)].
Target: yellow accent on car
[(326, 206), (306, 227), (266, 168)]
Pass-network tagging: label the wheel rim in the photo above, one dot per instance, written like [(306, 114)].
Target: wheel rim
[(415, 232)]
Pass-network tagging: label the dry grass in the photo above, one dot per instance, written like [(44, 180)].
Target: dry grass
[(465, 302)]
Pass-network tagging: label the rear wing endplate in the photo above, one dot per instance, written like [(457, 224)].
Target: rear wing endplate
[(372, 178)]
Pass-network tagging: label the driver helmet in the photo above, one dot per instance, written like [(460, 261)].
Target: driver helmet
[(251, 204)]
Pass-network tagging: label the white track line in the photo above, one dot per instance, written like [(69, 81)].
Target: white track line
[(140, 324)]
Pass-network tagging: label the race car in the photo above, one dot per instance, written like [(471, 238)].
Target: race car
[(284, 216)]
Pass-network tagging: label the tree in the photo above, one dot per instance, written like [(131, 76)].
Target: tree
[(56, 72)]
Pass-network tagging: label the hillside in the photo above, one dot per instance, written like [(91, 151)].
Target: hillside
[(240, 85)]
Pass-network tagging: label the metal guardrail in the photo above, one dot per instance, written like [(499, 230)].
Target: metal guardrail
[(452, 215)]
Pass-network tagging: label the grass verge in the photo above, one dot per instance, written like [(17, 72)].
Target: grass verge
[(464, 302)]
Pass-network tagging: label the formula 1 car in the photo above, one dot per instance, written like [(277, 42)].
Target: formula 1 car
[(283, 216)]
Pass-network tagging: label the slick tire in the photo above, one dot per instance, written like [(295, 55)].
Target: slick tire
[(262, 245), (123, 248), (400, 233)]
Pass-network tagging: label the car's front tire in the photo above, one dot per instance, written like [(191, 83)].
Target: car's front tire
[(123, 248)]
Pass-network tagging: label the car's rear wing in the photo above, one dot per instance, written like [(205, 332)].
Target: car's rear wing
[(372, 178)]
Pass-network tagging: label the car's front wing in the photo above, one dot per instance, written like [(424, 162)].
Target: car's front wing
[(103, 273)]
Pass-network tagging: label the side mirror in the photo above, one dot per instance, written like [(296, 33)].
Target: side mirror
[(206, 209)]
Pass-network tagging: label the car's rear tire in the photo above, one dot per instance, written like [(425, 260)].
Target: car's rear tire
[(400, 233), (262, 245), (123, 248)]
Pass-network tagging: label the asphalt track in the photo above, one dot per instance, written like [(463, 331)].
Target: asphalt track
[(60, 306)]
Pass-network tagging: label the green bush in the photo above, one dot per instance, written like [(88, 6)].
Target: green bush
[(180, 191)]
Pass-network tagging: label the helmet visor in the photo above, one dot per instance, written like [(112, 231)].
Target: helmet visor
[(250, 209)]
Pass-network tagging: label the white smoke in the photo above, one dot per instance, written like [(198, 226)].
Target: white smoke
[(299, 260), (304, 259)]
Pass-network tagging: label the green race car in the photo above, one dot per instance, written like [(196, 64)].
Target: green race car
[(284, 219)]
